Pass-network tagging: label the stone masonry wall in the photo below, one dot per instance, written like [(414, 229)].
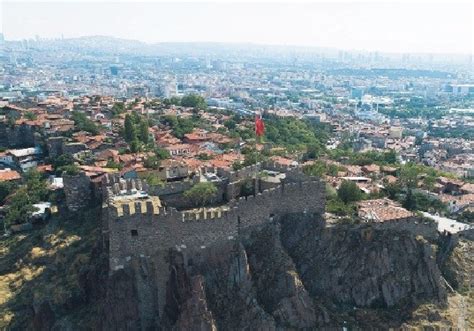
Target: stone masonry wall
[(78, 191), (157, 229), (414, 225)]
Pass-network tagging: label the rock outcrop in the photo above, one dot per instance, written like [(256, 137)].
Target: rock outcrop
[(295, 273)]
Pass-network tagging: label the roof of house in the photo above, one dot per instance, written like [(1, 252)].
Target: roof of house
[(381, 210), (8, 175)]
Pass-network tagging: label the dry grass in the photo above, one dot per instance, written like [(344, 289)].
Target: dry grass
[(43, 264)]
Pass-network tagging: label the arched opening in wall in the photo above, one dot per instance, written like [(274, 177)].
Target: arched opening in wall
[(134, 233)]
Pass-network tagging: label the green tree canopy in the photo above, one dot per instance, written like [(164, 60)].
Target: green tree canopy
[(152, 162), (61, 161), (161, 153), (129, 129), (349, 192), (20, 207), (143, 132), (6, 188), (193, 100), (83, 123), (36, 186), (201, 193)]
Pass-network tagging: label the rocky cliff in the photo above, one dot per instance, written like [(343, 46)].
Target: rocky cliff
[(295, 273)]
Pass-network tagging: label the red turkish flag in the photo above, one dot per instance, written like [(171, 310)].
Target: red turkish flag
[(259, 126)]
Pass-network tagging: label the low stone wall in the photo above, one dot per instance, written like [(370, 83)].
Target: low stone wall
[(172, 188), (74, 148), (414, 225), (244, 173)]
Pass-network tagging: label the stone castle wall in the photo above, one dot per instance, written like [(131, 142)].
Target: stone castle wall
[(139, 228), (20, 136), (77, 190), (415, 225)]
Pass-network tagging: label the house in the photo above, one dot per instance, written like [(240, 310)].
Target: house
[(467, 188), (371, 169), (42, 211), (6, 158), (8, 175), (382, 210), (25, 158), (389, 170), (284, 162), (196, 137), (451, 186), (179, 149), (174, 169), (457, 203)]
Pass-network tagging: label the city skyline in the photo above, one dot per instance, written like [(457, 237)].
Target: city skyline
[(437, 28)]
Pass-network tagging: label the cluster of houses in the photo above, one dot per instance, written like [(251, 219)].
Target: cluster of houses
[(38, 133)]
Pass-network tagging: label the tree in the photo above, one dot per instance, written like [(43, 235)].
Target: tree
[(70, 169), (194, 100), (409, 201), (172, 101), (317, 169), (349, 192), (154, 180), (118, 108), (83, 123), (135, 146), (337, 207), (129, 129), (247, 188), (161, 153), (152, 162), (390, 157), (409, 175), (230, 124), (19, 208), (314, 151), (61, 161), (429, 182), (30, 116), (201, 193), (237, 165), (143, 132), (6, 188), (36, 186), (112, 164)]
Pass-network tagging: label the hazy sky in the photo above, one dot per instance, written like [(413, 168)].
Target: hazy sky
[(438, 27)]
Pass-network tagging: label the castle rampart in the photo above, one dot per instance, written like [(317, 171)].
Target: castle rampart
[(142, 227)]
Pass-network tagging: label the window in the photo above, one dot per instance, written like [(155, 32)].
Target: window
[(134, 233)]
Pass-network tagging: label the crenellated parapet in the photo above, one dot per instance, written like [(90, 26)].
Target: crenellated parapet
[(128, 207), (204, 214), (114, 185)]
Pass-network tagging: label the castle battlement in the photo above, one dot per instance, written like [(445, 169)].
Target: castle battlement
[(123, 186), (127, 207), (203, 214), (139, 224)]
